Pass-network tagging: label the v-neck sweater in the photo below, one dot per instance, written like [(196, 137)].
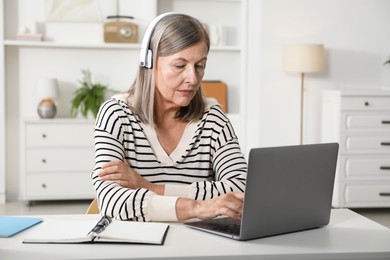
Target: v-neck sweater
[(206, 163), (179, 150)]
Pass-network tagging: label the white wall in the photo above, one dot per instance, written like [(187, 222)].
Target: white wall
[(2, 114), (357, 40)]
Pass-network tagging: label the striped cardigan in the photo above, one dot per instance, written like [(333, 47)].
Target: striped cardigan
[(207, 162)]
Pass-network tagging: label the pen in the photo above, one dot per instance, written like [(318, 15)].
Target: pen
[(100, 226)]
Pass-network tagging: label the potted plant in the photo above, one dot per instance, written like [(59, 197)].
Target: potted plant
[(88, 98)]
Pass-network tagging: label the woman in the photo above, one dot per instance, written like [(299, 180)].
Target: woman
[(163, 152)]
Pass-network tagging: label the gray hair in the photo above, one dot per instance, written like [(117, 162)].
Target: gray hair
[(172, 34)]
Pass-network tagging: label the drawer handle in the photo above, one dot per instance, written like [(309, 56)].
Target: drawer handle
[(44, 160), (384, 194), (385, 122), (44, 135), (44, 185), (385, 143), (366, 103), (384, 167)]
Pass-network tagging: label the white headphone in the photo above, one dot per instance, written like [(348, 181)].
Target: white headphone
[(146, 55)]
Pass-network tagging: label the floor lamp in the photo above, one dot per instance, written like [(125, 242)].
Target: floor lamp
[(303, 59)]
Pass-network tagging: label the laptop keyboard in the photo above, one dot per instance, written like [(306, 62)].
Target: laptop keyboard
[(223, 225)]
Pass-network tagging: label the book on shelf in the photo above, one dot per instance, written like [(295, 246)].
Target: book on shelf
[(29, 37), (106, 230), (10, 225)]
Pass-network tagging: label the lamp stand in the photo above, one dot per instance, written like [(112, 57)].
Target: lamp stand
[(302, 102), (47, 108)]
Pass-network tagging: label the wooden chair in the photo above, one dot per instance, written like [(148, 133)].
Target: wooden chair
[(93, 207)]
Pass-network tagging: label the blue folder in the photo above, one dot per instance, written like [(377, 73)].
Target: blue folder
[(10, 226)]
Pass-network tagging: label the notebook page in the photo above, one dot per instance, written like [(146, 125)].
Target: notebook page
[(61, 231), (134, 232)]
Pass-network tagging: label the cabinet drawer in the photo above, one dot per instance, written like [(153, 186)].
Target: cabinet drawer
[(366, 120), (365, 167), (371, 194), (365, 103), (44, 135), (60, 159), (369, 143), (59, 186)]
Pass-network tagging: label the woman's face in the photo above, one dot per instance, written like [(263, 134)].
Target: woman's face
[(178, 76)]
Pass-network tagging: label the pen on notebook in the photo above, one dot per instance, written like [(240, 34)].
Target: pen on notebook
[(100, 226)]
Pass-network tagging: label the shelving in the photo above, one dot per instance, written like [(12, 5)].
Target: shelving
[(49, 44), (68, 50)]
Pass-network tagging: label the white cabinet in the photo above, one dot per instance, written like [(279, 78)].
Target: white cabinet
[(70, 47), (360, 122), (58, 158)]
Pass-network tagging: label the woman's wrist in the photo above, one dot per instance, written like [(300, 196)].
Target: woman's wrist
[(159, 189), (185, 209)]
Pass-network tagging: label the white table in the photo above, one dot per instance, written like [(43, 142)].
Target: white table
[(348, 236)]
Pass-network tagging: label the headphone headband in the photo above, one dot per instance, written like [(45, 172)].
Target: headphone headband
[(146, 55)]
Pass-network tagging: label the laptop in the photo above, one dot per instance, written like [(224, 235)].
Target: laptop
[(288, 189)]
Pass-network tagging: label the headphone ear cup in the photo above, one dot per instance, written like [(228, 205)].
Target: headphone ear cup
[(146, 55), (149, 59)]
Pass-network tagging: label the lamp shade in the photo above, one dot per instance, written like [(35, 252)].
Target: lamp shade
[(303, 58), (47, 88)]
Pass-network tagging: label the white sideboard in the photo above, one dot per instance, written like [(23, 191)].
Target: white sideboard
[(57, 159), (360, 121)]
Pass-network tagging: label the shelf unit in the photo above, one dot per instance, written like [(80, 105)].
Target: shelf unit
[(48, 44), (69, 51)]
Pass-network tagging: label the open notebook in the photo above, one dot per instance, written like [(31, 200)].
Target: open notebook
[(106, 230)]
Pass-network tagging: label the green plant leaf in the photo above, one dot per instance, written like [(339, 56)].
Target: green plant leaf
[(89, 97)]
